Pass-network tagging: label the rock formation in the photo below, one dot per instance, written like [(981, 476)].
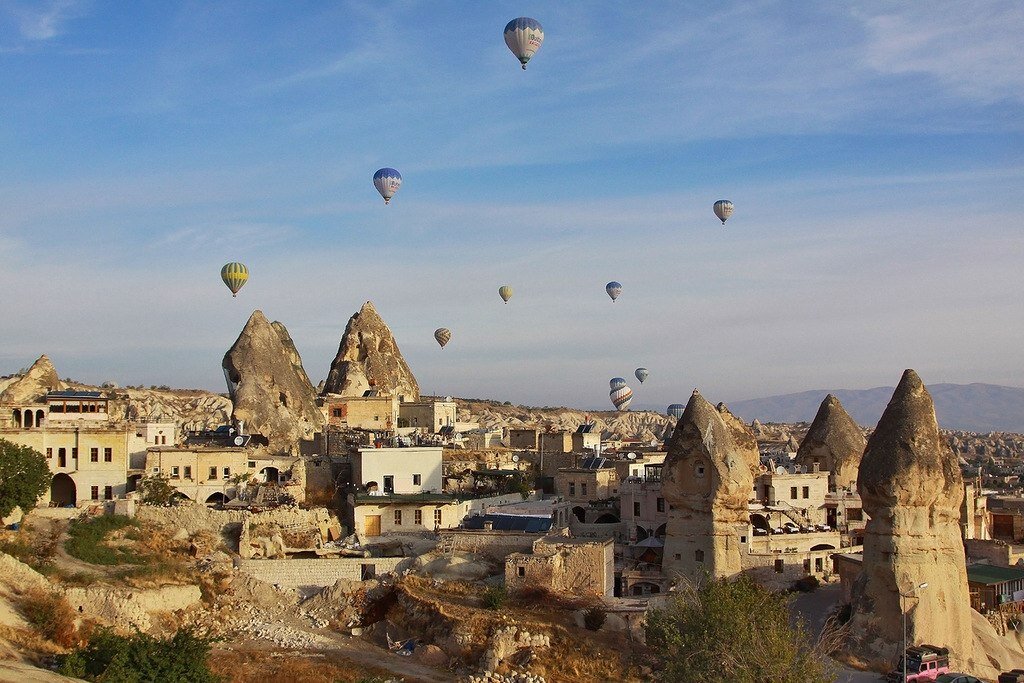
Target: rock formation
[(834, 444), (911, 488), (368, 355), (271, 393), (34, 384), (743, 437), (707, 482)]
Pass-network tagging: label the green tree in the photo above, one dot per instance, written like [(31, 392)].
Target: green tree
[(156, 489), (732, 630), (24, 477), (141, 658)]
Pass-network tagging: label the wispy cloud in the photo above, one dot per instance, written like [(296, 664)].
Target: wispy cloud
[(220, 235), (44, 21)]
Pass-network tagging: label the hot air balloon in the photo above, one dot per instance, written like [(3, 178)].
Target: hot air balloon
[(505, 292), (723, 209), (234, 275), (387, 181), (641, 374), (676, 410), (524, 37), (621, 397), (614, 289), (616, 383), (442, 335)]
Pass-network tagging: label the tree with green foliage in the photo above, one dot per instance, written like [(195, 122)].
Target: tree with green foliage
[(141, 658), (732, 631), (24, 477), (156, 489)]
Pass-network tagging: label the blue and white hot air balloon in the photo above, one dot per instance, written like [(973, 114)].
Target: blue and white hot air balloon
[(614, 289), (387, 181), (676, 410), (524, 37), (621, 397), (641, 374), (723, 209), (616, 383)]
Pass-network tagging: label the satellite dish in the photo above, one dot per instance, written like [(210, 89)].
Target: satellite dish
[(239, 440), (631, 456), (515, 458)]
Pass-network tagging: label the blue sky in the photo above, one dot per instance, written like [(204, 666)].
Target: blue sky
[(874, 152)]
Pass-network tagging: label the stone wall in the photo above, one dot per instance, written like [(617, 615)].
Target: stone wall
[(319, 573), (494, 545), (998, 553)]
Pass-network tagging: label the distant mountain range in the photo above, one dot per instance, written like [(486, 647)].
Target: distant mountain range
[(968, 407)]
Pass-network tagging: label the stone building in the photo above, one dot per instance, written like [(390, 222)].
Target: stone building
[(563, 564), (217, 475), (427, 416), (374, 410)]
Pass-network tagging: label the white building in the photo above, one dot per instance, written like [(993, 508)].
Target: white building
[(399, 470)]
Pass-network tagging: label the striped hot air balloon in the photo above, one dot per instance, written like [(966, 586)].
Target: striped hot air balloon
[(443, 335), (676, 410), (614, 289), (642, 374), (505, 292), (616, 383), (621, 397), (234, 275), (524, 37), (387, 181), (723, 209)]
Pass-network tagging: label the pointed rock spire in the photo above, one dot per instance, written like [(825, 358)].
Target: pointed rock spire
[(368, 356), (34, 384), (834, 444), (743, 436)]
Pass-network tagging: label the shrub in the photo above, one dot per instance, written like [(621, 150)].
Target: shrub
[(108, 657), (157, 490), (51, 615), (495, 597), (594, 618), (87, 536), (807, 584)]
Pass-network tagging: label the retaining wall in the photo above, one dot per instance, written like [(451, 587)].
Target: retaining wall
[(319, 573)]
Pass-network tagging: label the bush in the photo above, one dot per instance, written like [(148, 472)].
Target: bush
[(495, 597), (87, 536), (594, 618), (141, 658), (157, 490), (24, 477), (807, 584), (51, 615)]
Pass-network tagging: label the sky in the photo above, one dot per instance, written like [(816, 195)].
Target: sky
[(874, 152)]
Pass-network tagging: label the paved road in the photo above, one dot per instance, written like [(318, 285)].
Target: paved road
[(814, 608)]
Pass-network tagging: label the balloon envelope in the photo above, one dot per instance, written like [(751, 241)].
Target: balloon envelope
[(387, 181), (442, 335), (505, 292), (616, 383), (641, 374), (234, 275), (621, 397), (614, 289), (524, 37), (723, 209), (676, 410)]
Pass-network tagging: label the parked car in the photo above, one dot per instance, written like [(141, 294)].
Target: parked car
[(760, 532), (1015, 676), (790, 528), (924, 663), (957, 678)]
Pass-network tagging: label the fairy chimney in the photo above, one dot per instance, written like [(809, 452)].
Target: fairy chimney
[(834, 444)]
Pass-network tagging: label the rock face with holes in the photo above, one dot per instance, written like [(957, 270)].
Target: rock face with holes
[(743, 437), (369, 356), (834, 444), (911, 487), (707, 482), (269, 388), (34, 384)]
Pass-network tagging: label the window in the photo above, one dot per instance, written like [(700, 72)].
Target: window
[(807, 566), (743, 539), (94, 455), (521, 571), (698, 555), (854, 515), (376, 418), (188, 471), (94, 493), (417, 517), (700, 470), (678, 556), (792, 492), (416, 480), (583, 489), (213, 473), (108, 493), (252, 464), (572, 488), (227, 472), (636, 508), (74, 453), (806, 492), (49, 452), (108, 455), (156, 470), (437, 517), (174, 473), (336, 412), (779, 564), (398, 518), (661, 505)]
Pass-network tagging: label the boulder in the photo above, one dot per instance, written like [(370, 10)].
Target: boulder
[(834, 443), (34, 384), (368, 356), (269, 388), (707, 481)]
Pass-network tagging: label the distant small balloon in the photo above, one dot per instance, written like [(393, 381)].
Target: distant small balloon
[(234, 275), (641, 374), (621, 397), (676, 410), (614, 289), (524, 37), (505, 292), (387, 181), (723, 209), (443, 335), (616, 383)]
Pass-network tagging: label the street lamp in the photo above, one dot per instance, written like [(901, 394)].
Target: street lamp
[(903, 596)]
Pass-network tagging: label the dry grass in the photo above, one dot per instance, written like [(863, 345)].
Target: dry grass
[(249, 666), (51, 615)]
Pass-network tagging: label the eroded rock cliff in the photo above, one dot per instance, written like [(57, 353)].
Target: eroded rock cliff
[(34, 384), (835, 443)]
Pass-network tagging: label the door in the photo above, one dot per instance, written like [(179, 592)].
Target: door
[(371, 525), (389, 484)]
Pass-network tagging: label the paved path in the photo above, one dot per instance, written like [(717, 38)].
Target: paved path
[(814, 608)]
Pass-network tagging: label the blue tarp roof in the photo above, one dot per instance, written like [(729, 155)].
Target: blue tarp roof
[(510, 523)]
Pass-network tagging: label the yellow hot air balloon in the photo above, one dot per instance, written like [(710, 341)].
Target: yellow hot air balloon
[(505, 292), (234, 275)]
